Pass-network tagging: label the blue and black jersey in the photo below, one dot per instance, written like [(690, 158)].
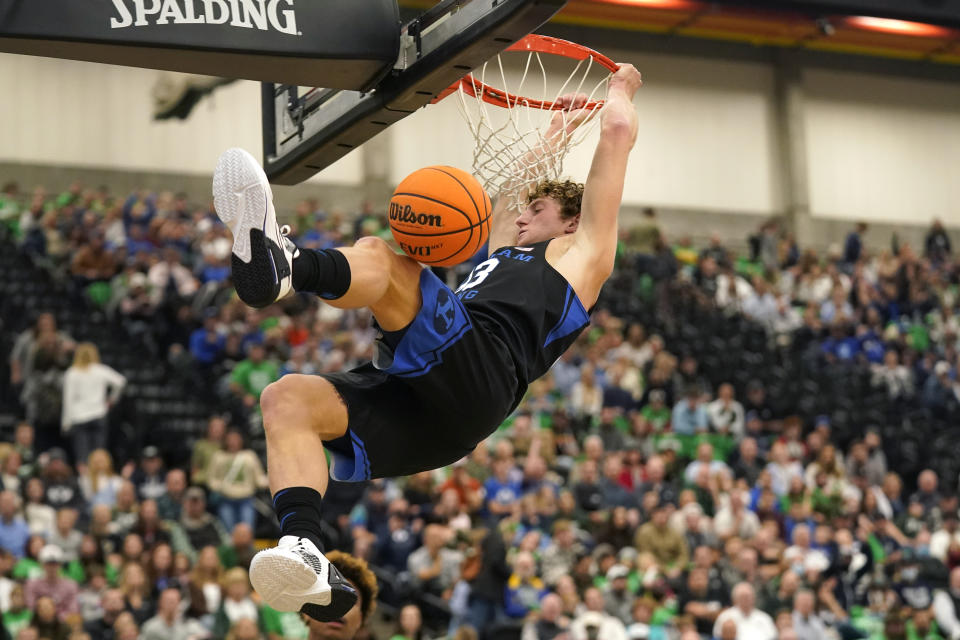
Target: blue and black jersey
[(437, 388), (518, 296)]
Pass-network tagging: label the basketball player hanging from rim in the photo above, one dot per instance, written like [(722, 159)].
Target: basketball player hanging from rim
[(438, 386)]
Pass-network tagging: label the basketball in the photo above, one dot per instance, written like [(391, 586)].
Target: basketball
[(440, 215)]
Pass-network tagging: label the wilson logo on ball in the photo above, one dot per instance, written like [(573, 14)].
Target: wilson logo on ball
[(406, 213)]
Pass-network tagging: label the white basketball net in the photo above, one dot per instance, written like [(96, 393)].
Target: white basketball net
[(512, 148)]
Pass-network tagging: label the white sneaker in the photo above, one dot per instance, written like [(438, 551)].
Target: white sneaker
[(295, 576), (262, 259)]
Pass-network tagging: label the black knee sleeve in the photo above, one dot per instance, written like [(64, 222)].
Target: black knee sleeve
[(324, 272)]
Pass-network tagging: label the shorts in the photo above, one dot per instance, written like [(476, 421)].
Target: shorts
[(426, 400)]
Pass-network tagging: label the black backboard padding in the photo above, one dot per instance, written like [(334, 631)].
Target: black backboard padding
[(347, 74), (349, 44)]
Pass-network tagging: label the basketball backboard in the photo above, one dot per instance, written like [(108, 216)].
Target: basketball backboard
[(306, 130), (350, 44)]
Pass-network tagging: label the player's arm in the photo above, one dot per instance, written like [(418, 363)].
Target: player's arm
[(595, 242), (503, 222)]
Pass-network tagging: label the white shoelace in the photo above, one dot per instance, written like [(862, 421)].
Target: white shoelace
[(288, 243)]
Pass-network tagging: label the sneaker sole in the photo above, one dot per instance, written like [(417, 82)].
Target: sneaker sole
[(282, 579), (241, 196), (340, 603)]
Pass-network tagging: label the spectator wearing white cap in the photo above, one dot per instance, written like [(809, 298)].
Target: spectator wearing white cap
[(752, 624), (618, 599), (62, 590)]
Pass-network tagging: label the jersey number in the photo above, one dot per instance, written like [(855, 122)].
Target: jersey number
[(479, 274)]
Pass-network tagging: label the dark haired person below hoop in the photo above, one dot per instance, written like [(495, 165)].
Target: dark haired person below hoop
[(361, 578), (448, 367)]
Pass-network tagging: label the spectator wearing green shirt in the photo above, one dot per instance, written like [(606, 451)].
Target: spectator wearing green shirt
[(656, 413), (870, 620), (240, 550), (10, 211), (283, 625), (409, 624), (18, 615), (251, 376), (922, 626), (28, 566)]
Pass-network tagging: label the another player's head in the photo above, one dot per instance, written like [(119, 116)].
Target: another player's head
[(362, 579), (553, 210)]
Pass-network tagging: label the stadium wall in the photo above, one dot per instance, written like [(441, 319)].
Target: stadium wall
[(880, 139)]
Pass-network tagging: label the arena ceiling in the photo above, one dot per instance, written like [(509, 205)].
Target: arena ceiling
[(819, 30)]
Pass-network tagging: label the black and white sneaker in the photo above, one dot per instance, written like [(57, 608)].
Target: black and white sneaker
[(262, 259), (295, 576)]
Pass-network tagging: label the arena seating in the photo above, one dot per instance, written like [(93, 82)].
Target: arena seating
[(173, 399)]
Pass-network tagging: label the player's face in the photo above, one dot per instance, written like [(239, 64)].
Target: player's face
[(343, 629), (541, 220)]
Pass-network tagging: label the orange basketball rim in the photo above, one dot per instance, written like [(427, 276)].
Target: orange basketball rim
[(532, 43)]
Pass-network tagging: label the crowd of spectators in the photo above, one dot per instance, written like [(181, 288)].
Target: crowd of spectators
[(631, 496)]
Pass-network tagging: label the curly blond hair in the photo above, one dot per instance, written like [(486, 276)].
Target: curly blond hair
[(568, 195), (357, 572)]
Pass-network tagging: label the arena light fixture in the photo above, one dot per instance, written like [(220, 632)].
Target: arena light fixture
[(675, 5), (902, 27)]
